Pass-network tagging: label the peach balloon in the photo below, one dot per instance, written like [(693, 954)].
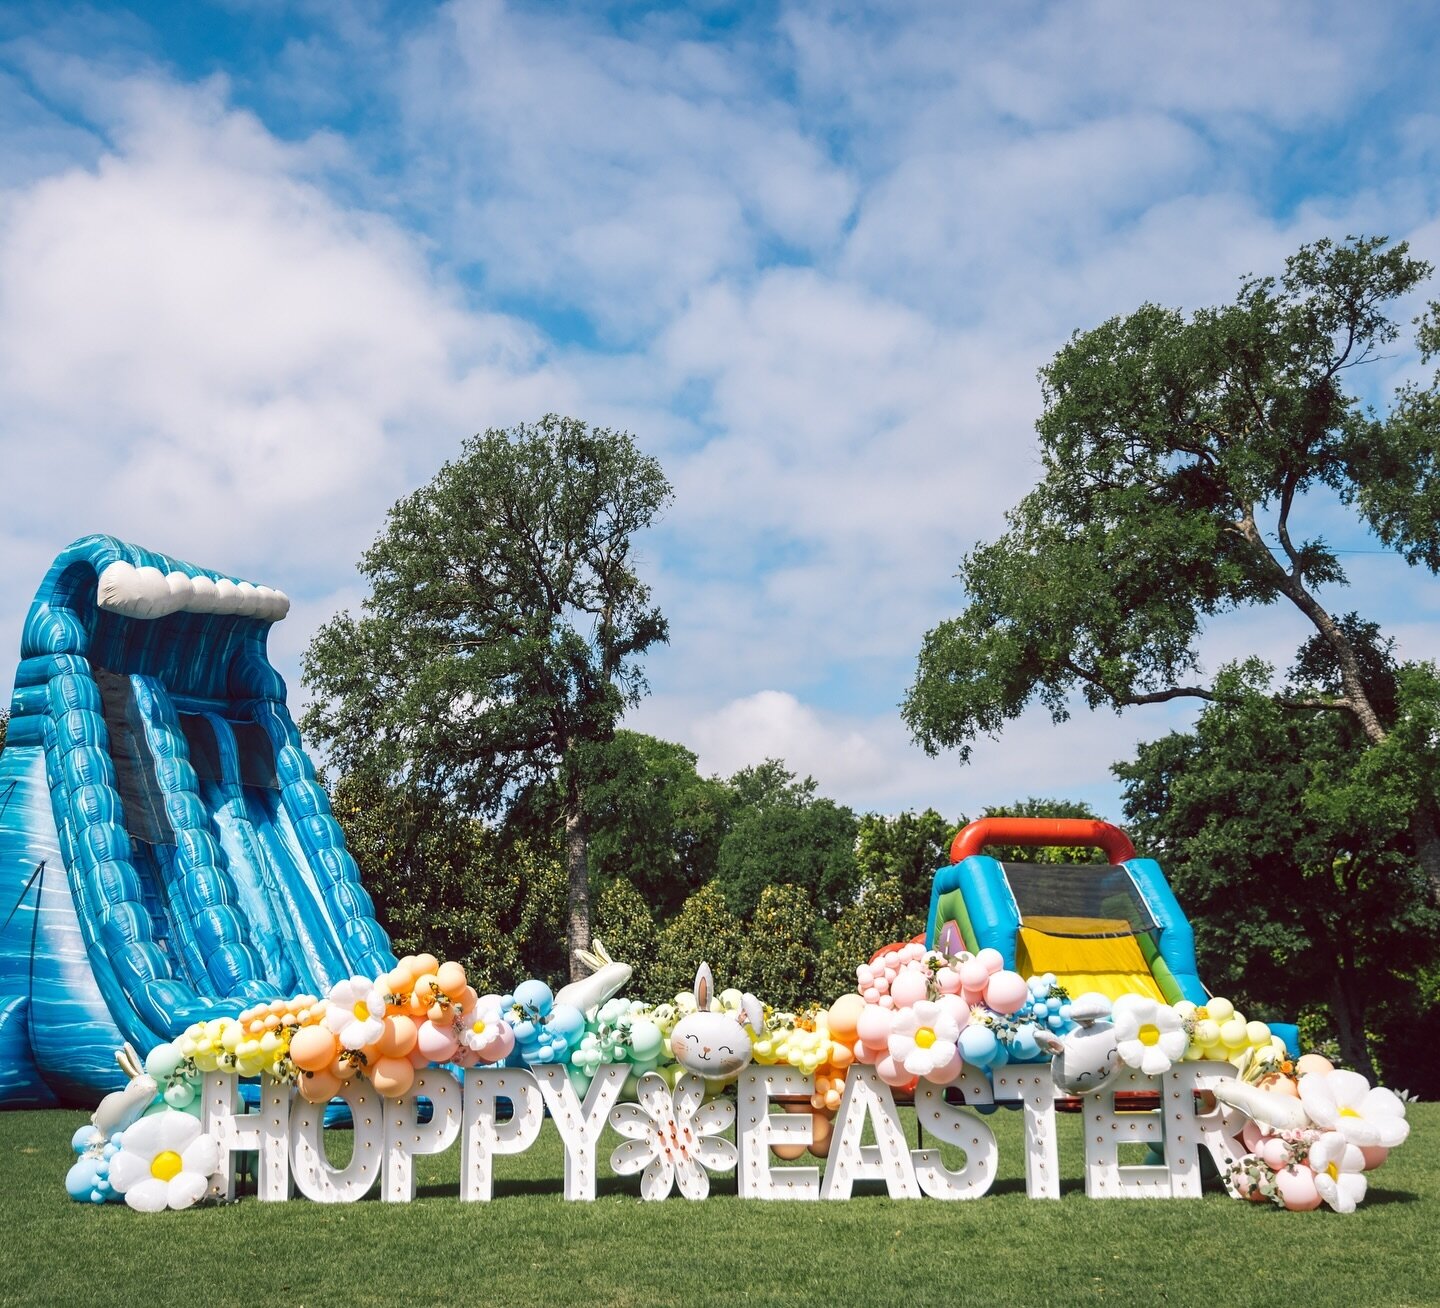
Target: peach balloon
[(451, 978), (392, 1077), (991, 959), (822, 1134), (1308, 1063), (398, 1037), (319, 1087), (313, 1048), (1280, 1084), (844, 1014), (1374, 1155), (426, 963)]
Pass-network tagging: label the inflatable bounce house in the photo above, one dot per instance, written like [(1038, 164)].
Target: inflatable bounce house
[(165, 851), (1114, 928)]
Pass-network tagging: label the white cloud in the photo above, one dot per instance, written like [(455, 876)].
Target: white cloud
[(823, 259), (201, 350)]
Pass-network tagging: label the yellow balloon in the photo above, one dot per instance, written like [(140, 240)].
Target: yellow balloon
[(1222, 1010)]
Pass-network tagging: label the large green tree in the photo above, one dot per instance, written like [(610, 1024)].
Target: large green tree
[(1181, 456), (905, 849), (503, 628), (784, 833), (1288, 838), (650, 818), (449, 885)]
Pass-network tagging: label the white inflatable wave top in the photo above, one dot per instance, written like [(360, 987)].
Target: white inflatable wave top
[(146, 592)]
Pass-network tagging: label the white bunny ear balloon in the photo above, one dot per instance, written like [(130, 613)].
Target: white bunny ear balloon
[(754, 1013), (704, 988)]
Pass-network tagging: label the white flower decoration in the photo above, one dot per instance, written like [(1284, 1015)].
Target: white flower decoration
[(165, 1161), (673, 1136), (484, 1031), (1339, 1171), (1149, 1035), (1345, 1102), (924, 1038), (355, 1011)]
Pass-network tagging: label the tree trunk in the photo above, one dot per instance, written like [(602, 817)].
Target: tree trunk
[(577, 925), (1426, 833), (1348, 1010)]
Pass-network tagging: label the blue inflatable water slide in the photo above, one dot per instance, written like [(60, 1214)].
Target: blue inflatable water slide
[(166, 853)]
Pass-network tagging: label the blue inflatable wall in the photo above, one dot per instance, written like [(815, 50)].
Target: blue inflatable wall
[(141, 887)]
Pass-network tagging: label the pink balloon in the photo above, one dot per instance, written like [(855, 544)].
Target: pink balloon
[(435, 1042), (1250, 1136), (1007, 992), (956, 1007), (891, 1072), (992, 959), (1296, 1188), (464, 1057), (1374, 1156), (499, 1045), (871, 995), (909, 989), (883, 984), (1275, 1154), (949, 1071), (863, 974), (948, 981), (974, 975), (874, 1027)]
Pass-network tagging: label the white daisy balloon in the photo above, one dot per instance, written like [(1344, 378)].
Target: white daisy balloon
[(1149, 1035), (1339, 1169), (673, 1137), (165, 1161), (1346, 1102), (355, 1011), (923, 1039)]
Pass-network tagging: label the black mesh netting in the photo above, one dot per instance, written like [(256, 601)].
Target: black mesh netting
[(140, 798), (1078, 900)]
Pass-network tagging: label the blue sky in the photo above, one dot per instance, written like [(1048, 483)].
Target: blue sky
[(264, 265)]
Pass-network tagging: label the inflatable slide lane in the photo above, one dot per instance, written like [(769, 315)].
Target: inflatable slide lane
[(165, 851), (1114, 927)]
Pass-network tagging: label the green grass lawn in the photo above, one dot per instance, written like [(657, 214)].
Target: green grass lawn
[(529, 1247)]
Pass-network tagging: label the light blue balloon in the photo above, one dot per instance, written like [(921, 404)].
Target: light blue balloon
[(84, 1137), (568, 1022), (1023, 1048), (80, 1179), (978, 1046), (535, 995)]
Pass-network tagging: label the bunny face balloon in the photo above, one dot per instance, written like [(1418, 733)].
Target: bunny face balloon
[(1085, 1060), (711, 1044)]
